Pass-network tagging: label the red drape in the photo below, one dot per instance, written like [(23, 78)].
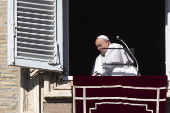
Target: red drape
[(120, 94)]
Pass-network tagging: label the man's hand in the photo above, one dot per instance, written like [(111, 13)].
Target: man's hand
[(94, 74)]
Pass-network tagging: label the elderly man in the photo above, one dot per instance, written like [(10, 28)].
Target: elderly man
[(117, 58)]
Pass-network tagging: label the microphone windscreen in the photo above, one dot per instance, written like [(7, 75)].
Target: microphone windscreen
[(118, 38)]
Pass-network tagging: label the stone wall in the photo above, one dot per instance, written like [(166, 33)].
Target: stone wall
[(9, 76), (58, 106)]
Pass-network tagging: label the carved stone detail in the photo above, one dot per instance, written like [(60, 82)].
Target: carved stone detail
[(56, 87), (37, 85)]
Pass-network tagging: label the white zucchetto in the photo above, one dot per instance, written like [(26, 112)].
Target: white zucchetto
[(103, 36)]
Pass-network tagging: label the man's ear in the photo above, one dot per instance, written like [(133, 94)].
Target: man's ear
[(108, 43)]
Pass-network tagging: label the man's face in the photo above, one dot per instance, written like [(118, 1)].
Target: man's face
[(102, 43)]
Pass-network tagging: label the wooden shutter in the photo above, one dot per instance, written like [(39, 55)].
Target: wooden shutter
[(35, 34)]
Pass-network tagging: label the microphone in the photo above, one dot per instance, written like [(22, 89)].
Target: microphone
[(137, 69), (119, 38)]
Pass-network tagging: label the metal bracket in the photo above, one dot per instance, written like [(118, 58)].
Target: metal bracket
[(51, 62)]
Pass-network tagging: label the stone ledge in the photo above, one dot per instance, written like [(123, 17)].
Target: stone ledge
[(59, 94)]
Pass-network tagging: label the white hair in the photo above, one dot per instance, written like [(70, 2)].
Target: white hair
[(103, 36)]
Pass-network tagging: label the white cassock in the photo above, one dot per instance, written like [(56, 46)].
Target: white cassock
[(115, 57)]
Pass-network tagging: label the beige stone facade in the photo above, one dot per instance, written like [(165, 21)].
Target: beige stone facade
[(24, 90), (9, 76), (42, 92)]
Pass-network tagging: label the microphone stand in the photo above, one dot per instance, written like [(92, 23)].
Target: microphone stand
[(137, 69)]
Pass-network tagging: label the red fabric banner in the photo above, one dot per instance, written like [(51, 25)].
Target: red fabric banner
[(119, 94)]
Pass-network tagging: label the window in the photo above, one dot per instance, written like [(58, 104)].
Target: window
[(37, 31)]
